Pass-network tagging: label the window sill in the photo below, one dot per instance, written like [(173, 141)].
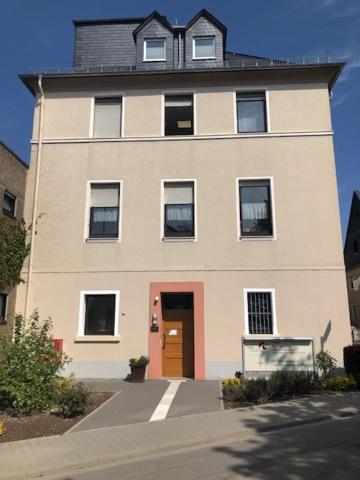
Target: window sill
[(247, 239), (204, 58), (98, 339), (154, 60), (9, 215), (102, 240), (179, 239)]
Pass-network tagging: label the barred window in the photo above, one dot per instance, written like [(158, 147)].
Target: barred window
[(260, 312)]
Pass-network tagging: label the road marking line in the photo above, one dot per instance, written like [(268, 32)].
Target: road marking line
[(164, 405)]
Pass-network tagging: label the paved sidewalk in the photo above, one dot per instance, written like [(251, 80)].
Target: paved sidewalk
[(32, 458)]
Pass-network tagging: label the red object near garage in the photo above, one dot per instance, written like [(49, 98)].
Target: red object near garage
[(58, 344)]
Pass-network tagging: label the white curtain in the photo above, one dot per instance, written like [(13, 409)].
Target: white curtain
[(179, 214), (254, 211)]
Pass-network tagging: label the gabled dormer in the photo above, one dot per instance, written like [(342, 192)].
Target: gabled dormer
[(154, 42), (205, 39)]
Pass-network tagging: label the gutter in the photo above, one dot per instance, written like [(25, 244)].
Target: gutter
[(36, 195)]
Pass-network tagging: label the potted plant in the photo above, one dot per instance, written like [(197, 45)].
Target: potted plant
[(138, 368)]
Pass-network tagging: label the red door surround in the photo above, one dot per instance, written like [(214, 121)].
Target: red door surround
[(155, 347)]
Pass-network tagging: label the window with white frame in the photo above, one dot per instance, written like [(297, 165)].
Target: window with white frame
[(260, 312), (251, 112), (104, 215), (179, 210), (255, 208), (9, 205), (99, 312), (107, 117), (154, 50), (204, 48), (3, 302)]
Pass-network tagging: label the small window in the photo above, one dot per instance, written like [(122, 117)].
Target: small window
[(260, 313), (104, 210), (3, 301), (355, 247), (107, 117), (353, 315), (255, 208), (99, 314), (251, 112), (154, 50), (9, 204), (179, 115), (204, 47), (179, 209)]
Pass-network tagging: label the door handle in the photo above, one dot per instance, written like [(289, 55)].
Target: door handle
[(164, 336)]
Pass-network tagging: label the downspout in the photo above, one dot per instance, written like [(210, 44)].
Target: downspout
[(36, 194)]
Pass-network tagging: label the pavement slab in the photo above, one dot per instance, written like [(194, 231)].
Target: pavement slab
[(82, 449)]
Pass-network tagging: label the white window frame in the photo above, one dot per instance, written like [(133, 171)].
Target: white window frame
[(273, 307), (165, 93), (145, 50), (194, 57), (82, 311), (273, 216), (6, 192), (87, 239), (260, 89), (111, 94), (162, 208)]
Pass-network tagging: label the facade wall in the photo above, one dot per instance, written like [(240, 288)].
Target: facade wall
[(353, 286), (307, 310), (12, 179), (68, 114)]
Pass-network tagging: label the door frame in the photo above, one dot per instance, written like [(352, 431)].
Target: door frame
[(155, 338)]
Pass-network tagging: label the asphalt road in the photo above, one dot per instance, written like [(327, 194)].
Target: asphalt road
[(326, 450)]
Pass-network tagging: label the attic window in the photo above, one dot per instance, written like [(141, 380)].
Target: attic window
[(154, 50), (179, 115), (203, 48)]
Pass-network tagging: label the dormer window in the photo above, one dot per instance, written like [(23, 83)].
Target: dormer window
[(204, 48), (154, 50)]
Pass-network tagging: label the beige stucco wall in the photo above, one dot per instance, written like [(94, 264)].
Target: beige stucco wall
[(303, 263), (305, 213), (305, 306), (290, 109)]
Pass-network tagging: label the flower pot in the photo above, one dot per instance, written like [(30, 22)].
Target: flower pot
[(138, 373)]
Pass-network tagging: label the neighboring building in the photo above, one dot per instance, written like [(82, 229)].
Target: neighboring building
[(352, 263), (189, 204), (12, 192)]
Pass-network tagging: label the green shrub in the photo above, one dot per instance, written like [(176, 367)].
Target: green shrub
[(352, 361), (289, 383), (30, 365), (71, 399), (232, 389), (326, 363), (255, 390), (340, 383), (139, 361)]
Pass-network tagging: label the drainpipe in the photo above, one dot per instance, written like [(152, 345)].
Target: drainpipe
[(36, 194), (179, 50)]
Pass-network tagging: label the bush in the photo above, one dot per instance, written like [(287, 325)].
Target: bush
[(71, 399), (139, 362), (232, 388), (352, 361), (30, 365), (289, 383), (340, 383), (326, 363), (255, 390)]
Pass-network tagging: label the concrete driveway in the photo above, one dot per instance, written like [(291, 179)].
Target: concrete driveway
[(150, 401)]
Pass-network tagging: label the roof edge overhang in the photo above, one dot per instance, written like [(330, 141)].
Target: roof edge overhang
[(336, 68)]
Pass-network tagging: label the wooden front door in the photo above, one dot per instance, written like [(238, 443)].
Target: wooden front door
[(178, 335)]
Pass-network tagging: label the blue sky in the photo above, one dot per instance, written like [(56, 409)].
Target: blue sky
[(39, 33)]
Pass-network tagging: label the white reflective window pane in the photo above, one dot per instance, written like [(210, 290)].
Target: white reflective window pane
[(204, 47), (155, 50)]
